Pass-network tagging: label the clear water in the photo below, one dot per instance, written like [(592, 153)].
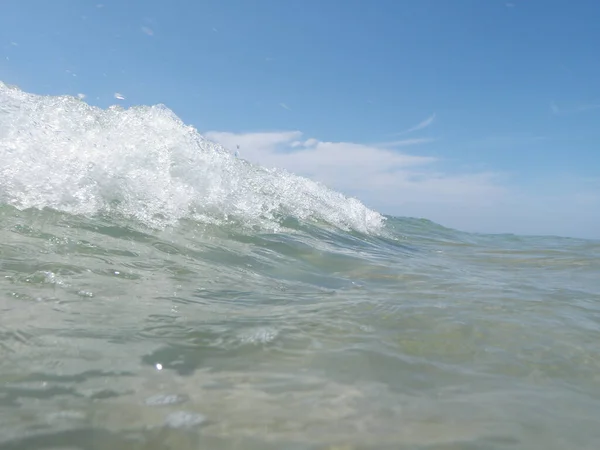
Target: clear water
[(156, 292)]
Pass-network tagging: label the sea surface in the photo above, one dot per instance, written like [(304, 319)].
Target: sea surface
[(158, 293)]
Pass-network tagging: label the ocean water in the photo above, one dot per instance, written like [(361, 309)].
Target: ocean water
[(158, 293)]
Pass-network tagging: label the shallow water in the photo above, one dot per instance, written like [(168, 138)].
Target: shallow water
[(156, 292)]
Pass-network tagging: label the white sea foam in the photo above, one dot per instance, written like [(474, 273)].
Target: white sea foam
[(59, 152)]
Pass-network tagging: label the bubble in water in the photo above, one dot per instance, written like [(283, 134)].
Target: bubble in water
[(258, 336), (184, 419)]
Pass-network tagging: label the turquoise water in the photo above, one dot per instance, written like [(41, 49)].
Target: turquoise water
[(156, 292)]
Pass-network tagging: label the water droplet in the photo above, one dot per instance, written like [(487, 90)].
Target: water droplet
[(181, 419)]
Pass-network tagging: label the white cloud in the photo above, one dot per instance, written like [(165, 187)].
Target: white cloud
[(388, 180), (404, 184), (284, 106), (266, 141), (147, 30), (288, 150)]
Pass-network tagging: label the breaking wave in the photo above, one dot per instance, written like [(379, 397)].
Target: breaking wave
[(145, 164)]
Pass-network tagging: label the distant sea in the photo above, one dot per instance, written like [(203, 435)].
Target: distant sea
[(158, 293)]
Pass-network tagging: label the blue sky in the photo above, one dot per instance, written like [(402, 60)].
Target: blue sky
[(481, 115)]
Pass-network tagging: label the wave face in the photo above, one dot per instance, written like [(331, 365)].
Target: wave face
[(144, 163), (156, 292)]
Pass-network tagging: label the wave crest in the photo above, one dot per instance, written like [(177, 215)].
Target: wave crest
[(143, 162)]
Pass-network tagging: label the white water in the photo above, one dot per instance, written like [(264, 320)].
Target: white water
[(144, 163)]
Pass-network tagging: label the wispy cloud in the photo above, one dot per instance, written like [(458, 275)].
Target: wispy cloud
[(421, 125), (147, 30), (284, 106), (559, 111)]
